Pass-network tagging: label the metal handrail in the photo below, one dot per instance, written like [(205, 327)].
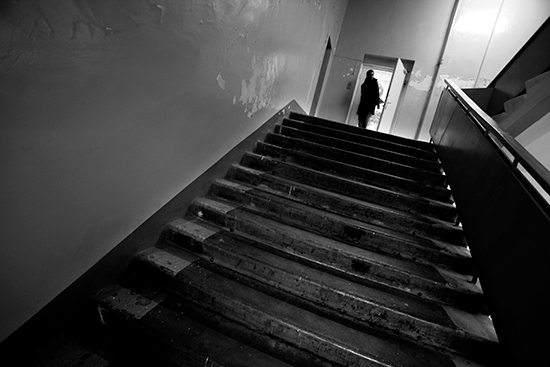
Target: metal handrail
[(539, 173)]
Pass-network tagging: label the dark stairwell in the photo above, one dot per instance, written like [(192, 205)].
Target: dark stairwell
[(327, 245)]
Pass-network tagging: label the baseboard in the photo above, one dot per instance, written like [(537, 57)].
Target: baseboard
[(52, 318)]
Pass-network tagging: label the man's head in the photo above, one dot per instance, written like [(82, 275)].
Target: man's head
[(370, 74)]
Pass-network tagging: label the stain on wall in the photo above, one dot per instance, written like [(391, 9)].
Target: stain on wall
[(419, 82), (110, 108)]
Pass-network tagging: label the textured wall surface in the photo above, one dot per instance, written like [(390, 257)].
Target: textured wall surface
[(109, 108)]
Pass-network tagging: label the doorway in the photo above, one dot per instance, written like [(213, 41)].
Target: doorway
[(319, 89), (393, 76)]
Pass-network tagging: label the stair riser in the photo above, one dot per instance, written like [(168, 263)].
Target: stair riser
[(224, 252), (236, 330), (177, 337), (191, 287), (368, 213), (220, 285), (364, 150), (350, 188), (428, 156), (338, 228), (344, 264), (292, 246), (363, 132), (354, 159), (359, 174)]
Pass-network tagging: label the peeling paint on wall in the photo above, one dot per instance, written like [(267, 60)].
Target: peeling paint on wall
[(221, 82), (422, 84), (237, 11), (257, 93), (462, 83)]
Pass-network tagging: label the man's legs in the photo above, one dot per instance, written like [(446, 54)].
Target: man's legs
[(369, 115), (363, 121)]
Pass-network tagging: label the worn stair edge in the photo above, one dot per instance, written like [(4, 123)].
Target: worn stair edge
[(428, 156), (354, 189), (356, 159), (358, 148), (354, 263), (159, 272), (344, 229), (371, 177), (178, 338), (355, 130), (303, 329), (343, 205), (403, 315)]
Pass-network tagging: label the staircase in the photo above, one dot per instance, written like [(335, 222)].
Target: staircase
[(329, 245), (526, 109)]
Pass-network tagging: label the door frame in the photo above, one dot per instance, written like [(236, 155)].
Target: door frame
[(321, 81), (387, 64)]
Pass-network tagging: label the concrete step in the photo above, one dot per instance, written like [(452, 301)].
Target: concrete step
[(335, 227), (394, 139), (400, 314), (144, 314), (533, 85), (353, 136), (322, 178), (347, 261), (500, 117), (357, 173), (513, 104), (358, 160), (298, 130), (297, 327), (412, 224)]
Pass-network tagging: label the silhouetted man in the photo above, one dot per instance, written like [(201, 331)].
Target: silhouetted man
[(370, 98)]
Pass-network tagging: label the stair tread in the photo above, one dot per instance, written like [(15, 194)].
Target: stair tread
[(192, 342), (345, 229), (422, 154), (331, 340), (357, 262), (364, 132), (439, 326), (533, 85), (244, 247), (357, 173), (358, 301), (358, 148), (357, 159), (352, 188), (355, 208), (289, 201)]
